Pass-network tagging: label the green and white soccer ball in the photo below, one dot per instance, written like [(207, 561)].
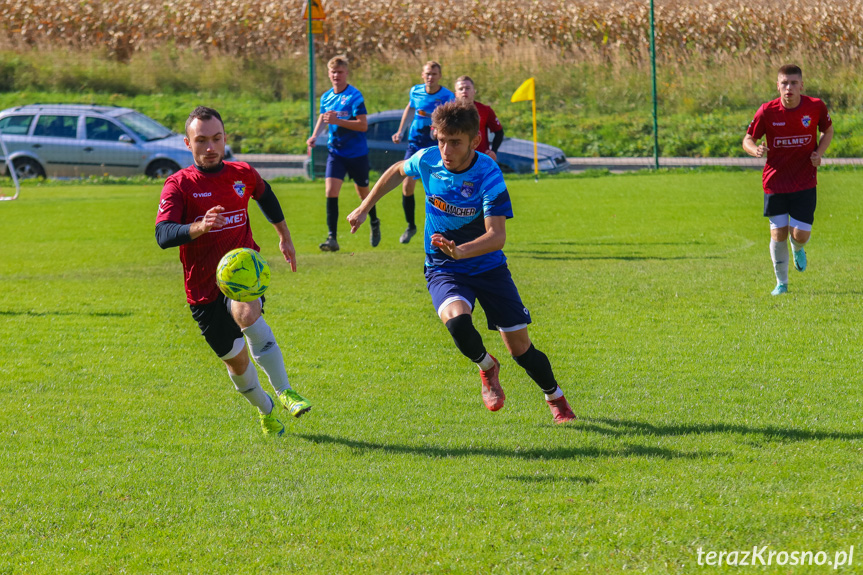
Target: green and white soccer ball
[(243, 275)]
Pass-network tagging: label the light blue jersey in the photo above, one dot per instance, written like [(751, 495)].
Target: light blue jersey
[(424, 104), (348, 105), (457, 205)]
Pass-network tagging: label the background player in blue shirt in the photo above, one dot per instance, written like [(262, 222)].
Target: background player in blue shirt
[(343, 110), (467, 205), (424, 98)]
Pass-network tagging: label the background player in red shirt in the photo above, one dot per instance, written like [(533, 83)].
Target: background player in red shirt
[(465, 90), (792, 124), (204, 210)]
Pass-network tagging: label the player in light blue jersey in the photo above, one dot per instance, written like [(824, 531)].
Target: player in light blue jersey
[(467, 205), (343, 110), (424, 98)]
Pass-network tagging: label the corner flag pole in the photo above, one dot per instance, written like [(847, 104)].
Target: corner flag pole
[(12, 171), (527, 91)]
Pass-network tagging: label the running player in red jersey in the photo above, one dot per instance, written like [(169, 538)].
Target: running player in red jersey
[(204, 210), (465, 90), (798, 131)]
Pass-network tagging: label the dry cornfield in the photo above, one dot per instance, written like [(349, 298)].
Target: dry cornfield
[(261, 28)]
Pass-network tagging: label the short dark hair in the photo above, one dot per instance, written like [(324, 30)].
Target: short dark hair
[(203, 113), (456, 117), (791, 70)]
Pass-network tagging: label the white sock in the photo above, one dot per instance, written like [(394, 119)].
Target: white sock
[(558, 393), (267, 354), (249, 386), (486, 363), (795, 244), (779, 255)]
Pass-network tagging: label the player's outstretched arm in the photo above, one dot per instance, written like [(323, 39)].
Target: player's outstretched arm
[(310, 143), (397, 137), (751, 147), (286, 245), (492, 240), (387, 183)]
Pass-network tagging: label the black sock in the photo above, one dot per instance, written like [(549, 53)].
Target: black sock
[(373, 213), (538, 368), (409, 205), (467, 338), (332, 215)]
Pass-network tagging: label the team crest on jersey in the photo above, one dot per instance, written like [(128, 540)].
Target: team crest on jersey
[(807, 120), (344, 100), (240, 188), (466, 189)]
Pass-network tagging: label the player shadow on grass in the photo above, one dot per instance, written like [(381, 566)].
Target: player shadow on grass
[(621, 427), (527, 454), (584, 479), (32, 313)]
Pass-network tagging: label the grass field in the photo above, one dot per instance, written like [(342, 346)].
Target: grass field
[(711, 415)]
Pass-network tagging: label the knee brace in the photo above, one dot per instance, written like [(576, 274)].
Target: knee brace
[(467, 338), (538, 368)]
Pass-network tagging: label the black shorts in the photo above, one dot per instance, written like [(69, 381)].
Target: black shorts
[(217, 324), (799, 205)]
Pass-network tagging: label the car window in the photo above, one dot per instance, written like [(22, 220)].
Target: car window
[(104, 130), (383, 130), (147, 128), (57, 126), (16, 125)]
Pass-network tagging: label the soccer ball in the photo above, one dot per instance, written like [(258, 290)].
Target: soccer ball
[(243, 275)]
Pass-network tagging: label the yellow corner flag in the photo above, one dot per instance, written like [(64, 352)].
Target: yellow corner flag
[(527, 91)]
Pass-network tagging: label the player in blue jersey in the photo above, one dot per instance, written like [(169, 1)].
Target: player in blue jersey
[(424, 98), (467, 205), (343, 110)]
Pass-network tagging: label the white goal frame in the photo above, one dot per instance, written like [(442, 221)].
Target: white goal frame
[(12, 171)]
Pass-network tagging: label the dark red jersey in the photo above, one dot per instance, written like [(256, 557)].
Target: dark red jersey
[(487, 121), (186, 197), (792, 136)]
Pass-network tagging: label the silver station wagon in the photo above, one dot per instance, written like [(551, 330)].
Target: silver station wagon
[(73, 140)]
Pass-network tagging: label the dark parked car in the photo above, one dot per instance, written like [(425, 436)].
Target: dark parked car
[(514, 155), (74, 140)]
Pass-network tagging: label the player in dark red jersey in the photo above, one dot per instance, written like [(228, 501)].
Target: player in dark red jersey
[(465, 90), (204, 211), (797, 131)]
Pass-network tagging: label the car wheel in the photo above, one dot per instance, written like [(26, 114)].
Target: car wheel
[(162, 169), (27, 169)]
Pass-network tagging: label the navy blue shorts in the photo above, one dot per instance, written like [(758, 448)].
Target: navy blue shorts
[(799, 205), (357, 168), (494, 289)]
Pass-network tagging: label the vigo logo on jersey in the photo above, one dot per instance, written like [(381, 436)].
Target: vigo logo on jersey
[(450, 209), (233, 219), (792, 141)]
